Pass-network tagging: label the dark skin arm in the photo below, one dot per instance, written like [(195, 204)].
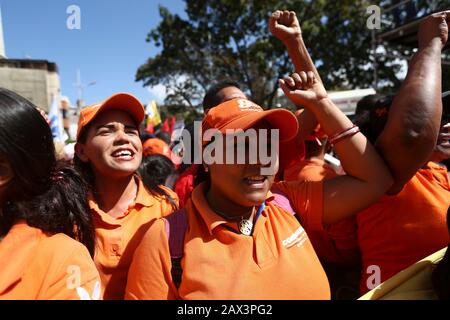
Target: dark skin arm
[(285, 26), (411, 131), (367, 176)]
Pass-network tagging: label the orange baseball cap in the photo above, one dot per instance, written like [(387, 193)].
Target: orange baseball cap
[(243, 114), (156, 146), (118, 101)]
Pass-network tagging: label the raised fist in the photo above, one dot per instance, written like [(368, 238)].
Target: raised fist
[(284, 25), (303, 89), (434, 28)]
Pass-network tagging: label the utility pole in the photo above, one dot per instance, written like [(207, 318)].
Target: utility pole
[(375, 62), (80, 87), (2, 41)]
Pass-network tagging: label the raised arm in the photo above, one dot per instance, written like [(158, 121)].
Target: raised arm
[(412, 129), (367, 176), (285, 26)]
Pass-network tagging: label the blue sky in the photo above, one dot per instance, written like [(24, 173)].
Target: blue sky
[(108, 48)]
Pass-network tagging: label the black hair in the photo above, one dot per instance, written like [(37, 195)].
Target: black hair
[(441, 274), (48, 195), (212, 97), (154, 170), (164, 136), (371, 115), (446, 106)]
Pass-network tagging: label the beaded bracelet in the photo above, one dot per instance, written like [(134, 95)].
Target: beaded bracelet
[(344, 134)]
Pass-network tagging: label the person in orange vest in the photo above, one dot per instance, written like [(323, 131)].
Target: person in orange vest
[(108, 153), (46, 232)]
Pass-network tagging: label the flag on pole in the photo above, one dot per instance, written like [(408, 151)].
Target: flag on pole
[(173, 121), (54, 116), (150, 128), (166, 126), (152, 113)]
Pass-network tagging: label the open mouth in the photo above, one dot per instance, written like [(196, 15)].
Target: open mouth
[(255, 181), (123, 154)]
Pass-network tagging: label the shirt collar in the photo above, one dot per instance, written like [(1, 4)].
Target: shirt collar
[(201, 205), (143, 199)]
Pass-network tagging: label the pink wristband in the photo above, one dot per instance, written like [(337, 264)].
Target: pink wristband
[(344, 134)]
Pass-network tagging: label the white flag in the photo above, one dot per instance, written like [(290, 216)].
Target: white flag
[(54, 116)]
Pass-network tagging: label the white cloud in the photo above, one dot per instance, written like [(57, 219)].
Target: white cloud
[(158, 93)]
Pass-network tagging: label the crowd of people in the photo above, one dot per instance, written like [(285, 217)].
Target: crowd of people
[(262, 215)]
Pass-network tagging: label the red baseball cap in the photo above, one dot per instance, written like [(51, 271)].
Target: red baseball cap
[(118, 101), (243, 114)]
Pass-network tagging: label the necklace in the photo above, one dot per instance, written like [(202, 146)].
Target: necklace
[(245, 226)]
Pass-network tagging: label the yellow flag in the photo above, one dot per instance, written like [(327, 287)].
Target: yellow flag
[(152, 113)]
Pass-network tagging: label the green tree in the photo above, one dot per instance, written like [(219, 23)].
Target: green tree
[(229, 39)]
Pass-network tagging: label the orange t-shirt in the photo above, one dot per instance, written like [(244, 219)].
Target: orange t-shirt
[(399, 230), (37, 266), (276, 262), (337, 243), (118, 238)]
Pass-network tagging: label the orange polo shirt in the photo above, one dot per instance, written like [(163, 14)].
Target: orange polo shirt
[(337, 243), (118, 238), (276, 262), (37, 266), (399, 230)]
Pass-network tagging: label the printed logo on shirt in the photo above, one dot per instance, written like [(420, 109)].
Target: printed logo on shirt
[(84, 294), (298, 238)]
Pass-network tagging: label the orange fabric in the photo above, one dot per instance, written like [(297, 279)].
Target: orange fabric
[(276, 262), (156, 146), (309, 170), (117, 238), (337, 243), (118, 101), (36, 266), (241, 114), (402, 229)]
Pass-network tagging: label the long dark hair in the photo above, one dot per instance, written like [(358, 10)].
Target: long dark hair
[(47, 194)]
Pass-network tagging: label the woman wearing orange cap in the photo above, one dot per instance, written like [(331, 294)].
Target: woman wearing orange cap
[(239, 241), (109, 152), (46, 231)]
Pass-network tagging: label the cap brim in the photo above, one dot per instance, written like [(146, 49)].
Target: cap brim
[(280, 119)]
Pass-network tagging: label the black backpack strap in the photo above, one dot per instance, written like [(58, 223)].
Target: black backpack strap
[(176, 227)]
